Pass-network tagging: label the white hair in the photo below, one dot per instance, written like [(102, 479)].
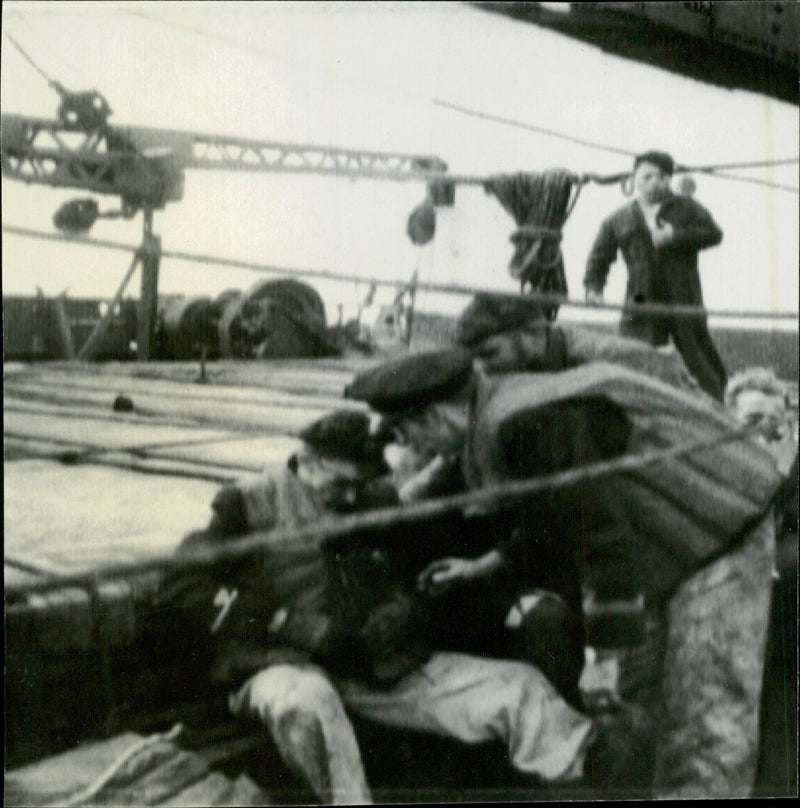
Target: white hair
[(760, 379)]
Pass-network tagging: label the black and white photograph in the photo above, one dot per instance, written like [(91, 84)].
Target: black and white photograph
[(400, 401)]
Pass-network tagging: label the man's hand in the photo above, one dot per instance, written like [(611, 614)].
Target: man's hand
[(663, 235), (417, 487), (594, 297), (439, 576)]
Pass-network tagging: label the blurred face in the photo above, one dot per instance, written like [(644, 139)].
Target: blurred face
[(651, 183), (403, 461), (438, 429), (321, 473), (765, 412)]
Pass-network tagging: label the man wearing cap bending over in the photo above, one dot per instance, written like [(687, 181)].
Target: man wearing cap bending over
[(488, 592), (291, 661), (660, 235), (691, 535)]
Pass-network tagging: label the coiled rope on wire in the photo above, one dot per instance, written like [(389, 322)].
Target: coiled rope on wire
[(540, 205), (329, 531), (714, 169), (646, 309)]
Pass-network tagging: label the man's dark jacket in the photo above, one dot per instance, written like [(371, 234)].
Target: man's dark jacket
[(667, 274)]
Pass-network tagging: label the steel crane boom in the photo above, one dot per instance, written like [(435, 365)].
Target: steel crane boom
[(144, 168)]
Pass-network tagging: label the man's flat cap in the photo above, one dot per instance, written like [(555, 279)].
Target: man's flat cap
[(490, 314), (344, 435), (412, 381)]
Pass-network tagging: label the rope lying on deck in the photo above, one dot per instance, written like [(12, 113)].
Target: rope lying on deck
[(546, 299), (94, 788), (31, 569), (327, 531)]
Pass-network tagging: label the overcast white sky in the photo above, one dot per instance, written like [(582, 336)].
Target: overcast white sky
[(363, 75)]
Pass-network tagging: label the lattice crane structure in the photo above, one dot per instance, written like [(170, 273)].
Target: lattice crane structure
[(144, 168)]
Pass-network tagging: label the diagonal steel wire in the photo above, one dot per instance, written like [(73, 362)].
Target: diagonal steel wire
[(647, 309), (327, 531)]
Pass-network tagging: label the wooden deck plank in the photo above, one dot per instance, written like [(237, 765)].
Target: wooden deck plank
[(303, 377), (270, 417), (309, 384), (263, 420), (13, 403), (169, 398)]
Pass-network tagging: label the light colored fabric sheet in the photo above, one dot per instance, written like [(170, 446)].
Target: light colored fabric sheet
[(476, 700), (469, 699)]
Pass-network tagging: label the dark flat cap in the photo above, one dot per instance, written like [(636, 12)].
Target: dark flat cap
[(344, 435), (412, 381), (657, 158), (490, 314)]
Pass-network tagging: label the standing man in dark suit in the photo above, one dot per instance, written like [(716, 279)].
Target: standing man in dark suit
[(660, 234)]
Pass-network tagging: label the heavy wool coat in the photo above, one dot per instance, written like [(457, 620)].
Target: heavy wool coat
[(643, 530)]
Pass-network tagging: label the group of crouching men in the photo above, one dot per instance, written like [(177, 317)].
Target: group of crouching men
[(473, 625)]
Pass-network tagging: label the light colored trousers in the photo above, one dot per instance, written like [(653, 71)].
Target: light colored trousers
[(463, 697)]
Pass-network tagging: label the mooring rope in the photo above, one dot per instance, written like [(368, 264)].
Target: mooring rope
[(329, 530)]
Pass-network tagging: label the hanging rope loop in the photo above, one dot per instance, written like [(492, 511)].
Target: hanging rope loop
[(540, 205), (538, 233)]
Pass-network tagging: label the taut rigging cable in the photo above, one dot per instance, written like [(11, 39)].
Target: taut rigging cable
[(444, 104), (446, 288), (330, 529), (714, 170)]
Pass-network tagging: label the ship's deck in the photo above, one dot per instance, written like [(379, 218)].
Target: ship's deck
[(86, 485)]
